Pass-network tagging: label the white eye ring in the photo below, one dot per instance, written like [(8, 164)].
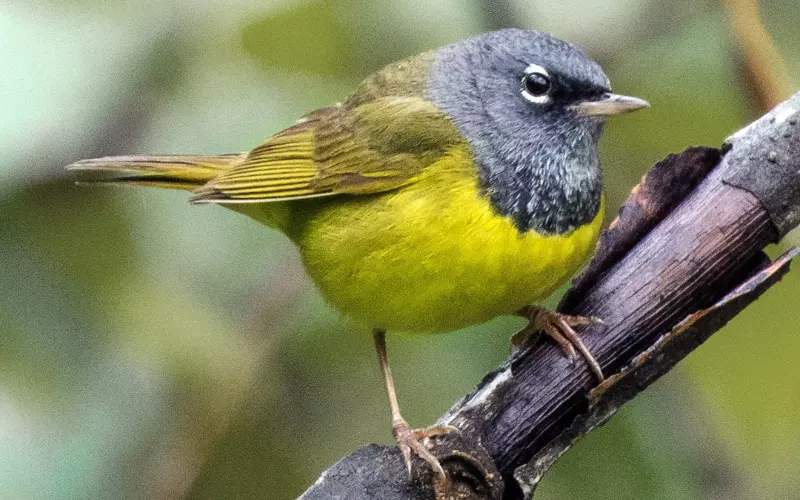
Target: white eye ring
[(540, 98)]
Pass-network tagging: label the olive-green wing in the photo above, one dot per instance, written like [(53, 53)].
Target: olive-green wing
[(373, 147)]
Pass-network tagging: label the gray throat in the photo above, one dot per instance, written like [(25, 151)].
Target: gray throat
[(552, 190)]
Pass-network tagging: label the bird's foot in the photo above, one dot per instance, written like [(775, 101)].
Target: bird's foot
[(559, 327), (411, 440)]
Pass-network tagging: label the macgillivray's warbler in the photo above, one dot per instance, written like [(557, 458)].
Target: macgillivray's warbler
[(451, 187)]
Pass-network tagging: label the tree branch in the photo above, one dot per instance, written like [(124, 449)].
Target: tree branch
[(682, 259)]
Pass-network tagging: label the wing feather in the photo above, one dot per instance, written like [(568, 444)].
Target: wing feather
[(375, 146)]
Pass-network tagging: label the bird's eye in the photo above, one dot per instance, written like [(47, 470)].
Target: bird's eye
[(536, 84)]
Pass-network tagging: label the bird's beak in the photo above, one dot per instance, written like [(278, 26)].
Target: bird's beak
[(610, 104)]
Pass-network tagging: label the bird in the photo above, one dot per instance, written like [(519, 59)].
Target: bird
[(449, 188)]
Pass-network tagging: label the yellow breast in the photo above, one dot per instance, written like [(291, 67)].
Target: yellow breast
[(433, 256)]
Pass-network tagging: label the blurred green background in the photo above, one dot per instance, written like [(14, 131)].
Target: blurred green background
[(153, 349)]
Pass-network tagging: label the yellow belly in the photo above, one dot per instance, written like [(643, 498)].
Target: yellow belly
[(433, 256)]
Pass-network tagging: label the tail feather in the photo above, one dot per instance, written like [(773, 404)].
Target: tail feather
[(167, 171)]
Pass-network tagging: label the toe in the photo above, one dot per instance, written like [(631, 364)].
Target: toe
[(411, 444), (406, 451), (580, 320), (436, 430), (409, 441), (556, 332)]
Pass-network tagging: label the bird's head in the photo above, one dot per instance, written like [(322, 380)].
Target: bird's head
[(532, 108)]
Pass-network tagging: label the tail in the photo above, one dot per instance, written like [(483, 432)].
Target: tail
[(167, 171)]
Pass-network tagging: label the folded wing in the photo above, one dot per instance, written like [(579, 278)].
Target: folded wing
[(376, 146)]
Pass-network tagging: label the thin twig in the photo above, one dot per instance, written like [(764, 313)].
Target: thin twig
[(763, 71)]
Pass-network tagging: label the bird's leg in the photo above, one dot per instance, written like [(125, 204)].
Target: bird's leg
[(408, 439), (558, 327)]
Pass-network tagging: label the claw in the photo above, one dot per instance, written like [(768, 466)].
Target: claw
[(409, 440), (559, 327)]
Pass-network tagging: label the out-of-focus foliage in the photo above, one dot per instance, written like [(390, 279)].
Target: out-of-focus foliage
[(151, 349)]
